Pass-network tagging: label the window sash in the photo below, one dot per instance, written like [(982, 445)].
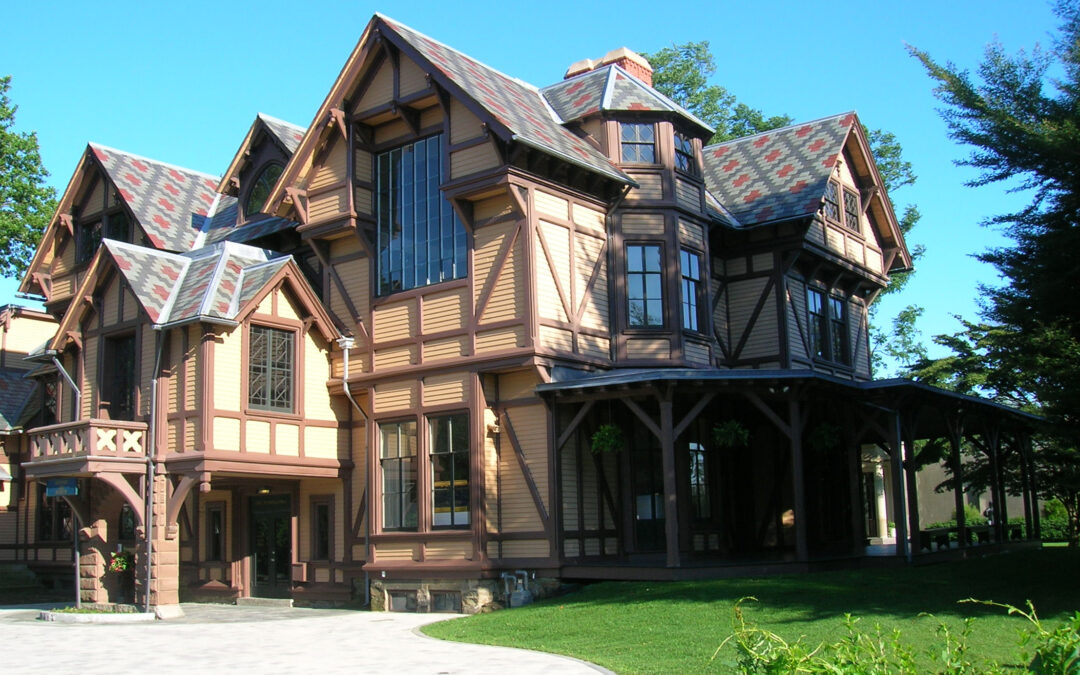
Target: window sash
[(421, 240), (838, 329), (399, 469), (699, 482), (644, 286), (638, 142), (831, 207), (690, 270), (270, 369), (815, 305), (118, 377), (851, 210), (449, 471), (215, 532), (684, 154), (321, 528)]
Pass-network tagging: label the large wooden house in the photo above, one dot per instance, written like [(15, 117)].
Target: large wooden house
[(461, 335)]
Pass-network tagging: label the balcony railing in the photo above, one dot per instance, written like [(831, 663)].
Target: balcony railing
[(88, 438)]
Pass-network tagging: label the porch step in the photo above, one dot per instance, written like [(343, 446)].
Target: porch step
[(264, 602)]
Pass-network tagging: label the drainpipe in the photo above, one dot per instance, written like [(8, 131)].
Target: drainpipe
[(74, 516), (347, 343), (151, 449), (71, 382)]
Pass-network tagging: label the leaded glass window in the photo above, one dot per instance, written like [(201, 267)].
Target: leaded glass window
[(270, 369), (690, 270), (832, 201), (87, 240), (261, 187), (421, 240), (399, 472), (684, 154), (851, 210), (638, 142), (644, 281), (449, 471)]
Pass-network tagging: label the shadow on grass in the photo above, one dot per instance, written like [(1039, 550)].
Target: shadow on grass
[(1047, 577)]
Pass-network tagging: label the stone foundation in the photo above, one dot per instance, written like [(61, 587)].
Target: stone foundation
[(468, 596)]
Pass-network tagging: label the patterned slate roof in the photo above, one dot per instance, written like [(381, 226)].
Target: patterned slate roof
[(169, 202), (288, 133), (15, 395), (779, 174), (611, 88), (516, 105)]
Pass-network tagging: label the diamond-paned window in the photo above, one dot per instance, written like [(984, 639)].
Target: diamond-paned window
[(270, 369), (851, 210), (684, 154), (638, 142), (832, 201)]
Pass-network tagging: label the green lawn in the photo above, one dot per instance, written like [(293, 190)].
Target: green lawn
[(676, 626)]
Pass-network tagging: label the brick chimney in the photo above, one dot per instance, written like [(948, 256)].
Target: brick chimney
[(628, 60)]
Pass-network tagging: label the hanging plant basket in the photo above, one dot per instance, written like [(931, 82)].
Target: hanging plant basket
[(122, 561), (606, 438), (730, 434)]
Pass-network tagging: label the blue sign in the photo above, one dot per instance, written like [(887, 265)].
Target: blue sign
[(61, 487)]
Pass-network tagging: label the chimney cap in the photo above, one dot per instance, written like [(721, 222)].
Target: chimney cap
[(616, 55), (579, 67)]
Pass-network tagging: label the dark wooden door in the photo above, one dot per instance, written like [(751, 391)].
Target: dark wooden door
[(271, 545)]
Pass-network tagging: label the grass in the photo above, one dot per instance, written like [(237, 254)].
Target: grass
[(650, 627)]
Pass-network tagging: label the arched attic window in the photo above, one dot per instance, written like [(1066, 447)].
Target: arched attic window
[(260, 188)]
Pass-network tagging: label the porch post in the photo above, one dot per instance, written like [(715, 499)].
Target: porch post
[(899, 500), (855, 489), (910, 469), (671, 501), (997, 490), (1025, 486), (955, 437), (802, 550)]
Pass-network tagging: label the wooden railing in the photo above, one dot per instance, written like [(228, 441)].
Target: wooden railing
[(88, 438)]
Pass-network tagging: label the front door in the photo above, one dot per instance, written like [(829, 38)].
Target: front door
[(271, 545), (647, 468)]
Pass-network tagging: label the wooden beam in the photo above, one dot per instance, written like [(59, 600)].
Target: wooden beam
[(180, 493), (644, 417), (768, 412), (671, 484), (529, 480), (693, 414), (565, 436)]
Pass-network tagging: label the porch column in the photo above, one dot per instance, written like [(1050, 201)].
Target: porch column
[(802, 550), (997, 489), (93, 558), (910, 468), (955, 427), (165, 559), (896, 459), (671, 500)]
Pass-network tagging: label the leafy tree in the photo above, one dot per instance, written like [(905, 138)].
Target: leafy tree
[(26, 203)]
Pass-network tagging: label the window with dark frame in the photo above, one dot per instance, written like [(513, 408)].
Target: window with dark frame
[(270, 368), (644, 286), (118, 377), (215, 532), (115, 225), (690, 271), (638, 142), (831, 207), (127, 523), (421, 240), (398, 448), (851, 210), (684, 154), (827, 318), (699, 482), (53, 517), (838, 330), (261, 187), (449, 471), (322, 527), (819, 323)]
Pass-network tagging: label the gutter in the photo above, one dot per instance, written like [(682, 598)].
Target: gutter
[(346, 344)]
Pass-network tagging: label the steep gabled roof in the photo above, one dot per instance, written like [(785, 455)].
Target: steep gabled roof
[(15, 397), (612, 88), (169, 202), (287, 135), (779, 174)]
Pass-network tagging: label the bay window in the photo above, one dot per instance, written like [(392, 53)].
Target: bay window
[(644, 284)]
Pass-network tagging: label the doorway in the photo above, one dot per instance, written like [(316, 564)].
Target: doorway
[(271, 545)]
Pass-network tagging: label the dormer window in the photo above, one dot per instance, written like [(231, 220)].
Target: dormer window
[(638, 142), (261, 187), (88, 236), (684, 154), (849, 216)]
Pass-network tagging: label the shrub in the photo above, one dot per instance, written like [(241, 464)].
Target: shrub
[(1054, 524)]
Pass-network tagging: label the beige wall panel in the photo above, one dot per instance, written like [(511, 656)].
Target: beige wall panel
[(226, 433), (395, 357), (430, 117), (362, 165), (445, 348), (463, 124), (27, 333), (95, 201), (174, 364), (392, 396), (648, 348), (834, 239), (642, 223), (65, 255), (589, 218), (62, 287), (493, 207), (131, 307), (328, 205), (500, 339), (172, 437), (395, 552), (266, 306), (395, 321), (487, 242), (549, 304), (446, 389), (354, 276), (90, 375), (550, 205), (332, 170), (696, 353), (227, 365), (719, 311), (556, 338), (321, 442), (316, 372), (257, 436), (596, 347), (286, 308), (816, 233), (444, 311), (688, 195), (736, 266), (744, 296), (390, 131), (587, 250), (381, 89), (448, 550), (473, 159), (507, 299), (518, 384), (796, 319), (191, 432), (569, 484), (491, 469), (362, 201), (286, 439), (692, 235), (410, 78), (193, 384), (529, 548), (762, 262), (651, 187), (531, 427), (873, 260), (110, 309), (855, 251)]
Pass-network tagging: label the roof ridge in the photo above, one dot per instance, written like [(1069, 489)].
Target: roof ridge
[(675, 107), (265, 117), (200, 238), (783, 128), (149, 159)]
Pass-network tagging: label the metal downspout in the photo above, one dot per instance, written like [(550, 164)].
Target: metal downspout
[(74, 514), (151, 450), (347, 343)]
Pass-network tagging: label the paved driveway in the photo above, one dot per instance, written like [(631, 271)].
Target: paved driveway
[(223, 638)]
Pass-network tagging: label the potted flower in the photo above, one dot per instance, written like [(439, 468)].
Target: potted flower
[(606, 438)]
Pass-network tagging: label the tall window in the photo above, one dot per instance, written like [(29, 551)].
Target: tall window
[(115, 225), (270, 369), (699, 482), (127, 523), (690, 270), (321, 528), (421, 239), (828, 326), (638, 142), (118, 377), (851, 210), (53, 517), (398, 463), (449, 471), (261, 187), (832, 201), (684, 154), (644, 281), (215, 532)]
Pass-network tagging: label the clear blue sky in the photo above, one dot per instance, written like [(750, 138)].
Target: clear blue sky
[(181, 82)]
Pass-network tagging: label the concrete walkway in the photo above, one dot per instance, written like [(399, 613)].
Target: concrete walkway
[(223, 638)]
